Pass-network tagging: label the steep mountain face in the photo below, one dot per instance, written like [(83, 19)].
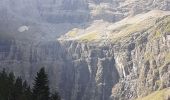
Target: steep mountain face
[(140, 60), (76, 74), (144, 62), (50, 18), (109, 50), (26, 58), (95, 71)]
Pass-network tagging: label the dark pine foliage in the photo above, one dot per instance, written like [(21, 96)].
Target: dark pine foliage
[(41, 88), (55, 96), (12, 88)]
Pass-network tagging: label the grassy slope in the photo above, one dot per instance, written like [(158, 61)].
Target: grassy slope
[(157, 95), (119, 30)]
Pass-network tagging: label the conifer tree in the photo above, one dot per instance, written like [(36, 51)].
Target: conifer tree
[(41, 88), (18, 89), (12, 88), (3, 84), (55, 96), (11, 81), (26, 91)]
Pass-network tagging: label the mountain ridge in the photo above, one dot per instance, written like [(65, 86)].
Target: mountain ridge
[(101, 30), (109, 49)]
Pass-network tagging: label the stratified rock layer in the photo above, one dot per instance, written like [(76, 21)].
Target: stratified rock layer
[(103, 57), (129, 68)]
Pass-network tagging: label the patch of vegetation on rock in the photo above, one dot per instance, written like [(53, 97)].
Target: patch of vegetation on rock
[(157, 95)]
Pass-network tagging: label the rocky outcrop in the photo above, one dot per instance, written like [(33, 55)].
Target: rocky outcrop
[(118, 66), (143, 61), (95, 71), (132, 67), (139, 61)]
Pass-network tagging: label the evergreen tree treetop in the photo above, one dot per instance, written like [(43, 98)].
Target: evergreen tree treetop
[(12, 88), (41, 89)]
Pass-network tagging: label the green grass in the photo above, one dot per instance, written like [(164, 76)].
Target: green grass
[(72, 33), (156, 34), (157, 95), (89, 37), (129, 29), (125, 32)]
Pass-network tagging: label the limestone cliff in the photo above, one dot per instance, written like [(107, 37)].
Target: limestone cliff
[(139, 61), (112, 49), (131, 67)]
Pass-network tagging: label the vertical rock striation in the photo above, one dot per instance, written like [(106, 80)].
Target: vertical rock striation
[(132, 66)]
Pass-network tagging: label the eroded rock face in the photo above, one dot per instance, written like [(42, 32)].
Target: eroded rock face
[(26, 58), (49, 19), (95, 70), (143, 62), (132, 66), (139, 63), (140, 59), (78, 71)]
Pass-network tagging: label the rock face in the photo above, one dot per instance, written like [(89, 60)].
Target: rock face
[(139, 63), (95, 72), (105, 56), (127, 69), (144, 63), (78, 71), (49, 19)]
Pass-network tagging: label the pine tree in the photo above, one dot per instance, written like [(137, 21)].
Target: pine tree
[(3, 84), (18, 89), (11, 80), (41, 88), (55, 96), (26, 91)]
